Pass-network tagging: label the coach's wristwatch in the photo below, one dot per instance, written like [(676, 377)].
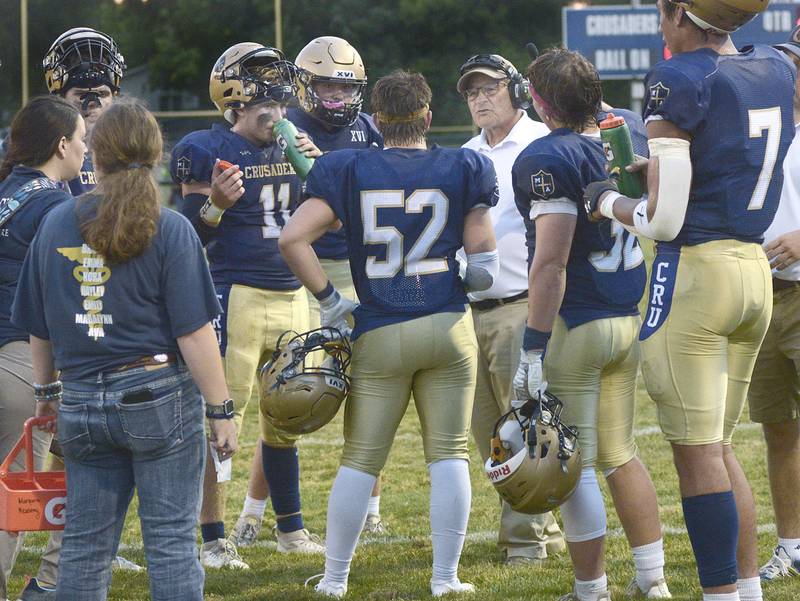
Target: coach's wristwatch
[(223, 411)]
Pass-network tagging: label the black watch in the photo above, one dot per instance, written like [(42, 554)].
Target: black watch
[(223, 411)]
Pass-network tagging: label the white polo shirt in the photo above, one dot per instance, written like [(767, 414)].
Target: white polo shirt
[(509, 229), (787, 219)]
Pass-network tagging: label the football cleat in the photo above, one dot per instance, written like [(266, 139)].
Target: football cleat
[(439, 589), (299, 541), (780, 565), (221, 553), (125, 565), (246, 530), (657, 590), (337, 590), (573, 596), (374, 525)]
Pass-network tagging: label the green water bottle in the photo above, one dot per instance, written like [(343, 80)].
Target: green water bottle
[(619, 153), (285, 135)]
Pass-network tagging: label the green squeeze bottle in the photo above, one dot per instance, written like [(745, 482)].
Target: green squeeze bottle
[(285, 132), (619, 153)]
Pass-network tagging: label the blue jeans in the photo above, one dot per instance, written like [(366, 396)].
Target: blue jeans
[(111, 446)]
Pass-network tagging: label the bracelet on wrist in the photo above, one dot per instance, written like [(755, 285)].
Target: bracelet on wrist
[(46, 393), (211, 213)]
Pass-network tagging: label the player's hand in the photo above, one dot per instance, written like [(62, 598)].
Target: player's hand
[(227, 185), (593, 195), (528, 383), (334, 311), (784, 251), (222, 433), (306, 146)]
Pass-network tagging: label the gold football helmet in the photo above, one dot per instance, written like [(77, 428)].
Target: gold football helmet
[(722, 16), (331, 60), (83, 57), (539, 470), (296, 396), (248, 72)]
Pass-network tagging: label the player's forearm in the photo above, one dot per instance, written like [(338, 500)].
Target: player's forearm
[(546, 285), (201, 354), (303, 262)]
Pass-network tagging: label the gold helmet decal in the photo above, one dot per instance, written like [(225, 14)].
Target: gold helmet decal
[(722, 16), (248, 72), (331, 60), (296, 396), (83, 57)]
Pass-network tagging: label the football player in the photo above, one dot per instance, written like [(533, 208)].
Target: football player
[(405, 210), (585, 283), (717, 136), (331, 82), (239, 212), (85, 67)]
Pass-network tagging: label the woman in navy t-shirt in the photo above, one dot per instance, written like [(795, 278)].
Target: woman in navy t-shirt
[(116, 294)]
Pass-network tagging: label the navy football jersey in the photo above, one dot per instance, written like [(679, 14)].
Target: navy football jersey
[(85, 182), (403, 212), (605, 270), (738, 110), (362, 134), (244, 249)]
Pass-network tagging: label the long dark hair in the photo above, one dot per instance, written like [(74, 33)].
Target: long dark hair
[(36, 131), (126, 145)]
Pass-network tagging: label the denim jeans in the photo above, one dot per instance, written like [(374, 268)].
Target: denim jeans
[(112, 445)]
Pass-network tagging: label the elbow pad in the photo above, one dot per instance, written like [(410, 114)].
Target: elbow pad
[(482, 269), (674, 184)]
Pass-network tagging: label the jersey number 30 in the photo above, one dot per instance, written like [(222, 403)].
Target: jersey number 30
[(416, 261)]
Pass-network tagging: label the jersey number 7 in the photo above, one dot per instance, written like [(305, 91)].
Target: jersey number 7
[(761, 119)]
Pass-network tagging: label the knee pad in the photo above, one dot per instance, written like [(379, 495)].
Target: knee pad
[(713, 526), (584, 512)]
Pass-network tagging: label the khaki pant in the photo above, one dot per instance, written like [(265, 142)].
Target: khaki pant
[(499, 333), (775, 390), (431, 356), (16, 405)]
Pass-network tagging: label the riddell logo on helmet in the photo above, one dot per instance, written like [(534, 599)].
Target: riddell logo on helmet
[(499, 473)]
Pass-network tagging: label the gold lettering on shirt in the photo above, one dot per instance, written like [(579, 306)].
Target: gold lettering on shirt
[(268, 170), (91, 272)]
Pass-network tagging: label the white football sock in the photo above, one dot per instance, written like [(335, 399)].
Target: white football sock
[(590, 590), (649, 562), (721, 597), (791, 546), (749, 589), (347, 512), (374, 507), (451, 496), (254, 507)]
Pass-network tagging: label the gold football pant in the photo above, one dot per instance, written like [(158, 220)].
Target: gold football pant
[(709, 309), (592, 368), (499, 333), (254, 321), (433, 357)]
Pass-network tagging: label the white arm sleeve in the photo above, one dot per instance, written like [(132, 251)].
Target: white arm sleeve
[(674, 183), (482, 269)]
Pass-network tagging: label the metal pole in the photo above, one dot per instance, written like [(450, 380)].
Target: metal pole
[(278, 25), (23, 27)]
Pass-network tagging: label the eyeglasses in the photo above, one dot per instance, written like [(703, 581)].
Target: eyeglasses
[(489, 91)]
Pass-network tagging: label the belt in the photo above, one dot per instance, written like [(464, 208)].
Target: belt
[(779, 284), (491, 303), (160, 360)]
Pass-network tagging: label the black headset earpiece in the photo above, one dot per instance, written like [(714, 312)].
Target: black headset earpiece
[(517, 86)]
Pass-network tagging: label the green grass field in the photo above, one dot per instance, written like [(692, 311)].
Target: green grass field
[(397, 565)]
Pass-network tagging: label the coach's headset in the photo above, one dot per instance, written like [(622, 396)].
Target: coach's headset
[(517, 85)]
